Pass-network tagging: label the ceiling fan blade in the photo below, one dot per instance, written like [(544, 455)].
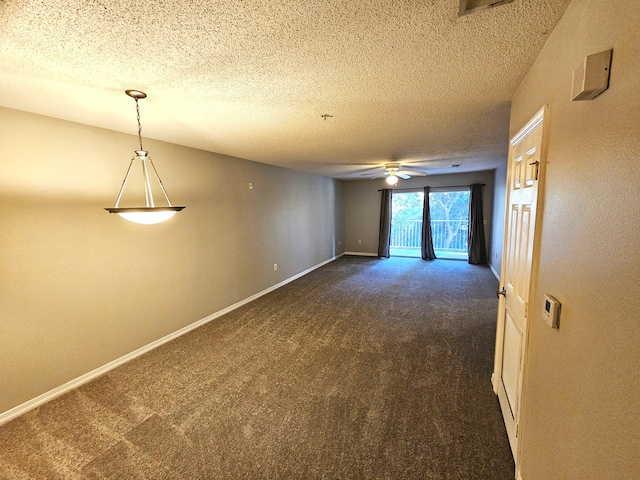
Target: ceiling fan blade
[(374, 175), (403, 175), (413, 173), (371, 169)]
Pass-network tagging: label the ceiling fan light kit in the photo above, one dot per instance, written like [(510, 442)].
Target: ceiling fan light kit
[(148, 214), (394, 171)]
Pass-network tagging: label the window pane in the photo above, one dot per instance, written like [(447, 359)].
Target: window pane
[(406, 223), (450, 222)]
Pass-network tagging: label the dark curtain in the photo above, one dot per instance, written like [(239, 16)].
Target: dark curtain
[(476, 245), (384, 239), (427, 237)]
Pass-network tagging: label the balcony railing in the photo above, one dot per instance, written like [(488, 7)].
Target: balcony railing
[(447, 234)]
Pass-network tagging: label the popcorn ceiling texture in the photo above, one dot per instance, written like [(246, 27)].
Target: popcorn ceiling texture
[(405, 80)]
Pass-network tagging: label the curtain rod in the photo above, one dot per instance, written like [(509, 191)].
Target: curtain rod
[(445, 186), (456, 186)]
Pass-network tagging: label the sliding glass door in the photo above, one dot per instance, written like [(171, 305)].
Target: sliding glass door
[(406, 223), (449, 223)]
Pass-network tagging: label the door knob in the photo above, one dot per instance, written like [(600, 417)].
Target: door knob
[(502, 292)]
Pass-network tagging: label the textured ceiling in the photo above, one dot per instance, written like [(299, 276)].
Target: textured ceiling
[(405, 80)]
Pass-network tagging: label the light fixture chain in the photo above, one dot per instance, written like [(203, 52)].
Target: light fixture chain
[(139, 124)]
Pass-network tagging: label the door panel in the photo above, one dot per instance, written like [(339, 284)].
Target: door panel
[(510, 370), (511, 337)]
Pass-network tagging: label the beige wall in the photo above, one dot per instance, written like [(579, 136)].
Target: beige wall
[(581, 410), (362, 206), (81, 287), (498, 214), (361, 215)]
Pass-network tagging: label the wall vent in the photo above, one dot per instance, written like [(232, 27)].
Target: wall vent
[(473, 6)]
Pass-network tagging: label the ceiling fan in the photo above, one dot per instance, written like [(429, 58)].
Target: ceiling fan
[(395, 171)]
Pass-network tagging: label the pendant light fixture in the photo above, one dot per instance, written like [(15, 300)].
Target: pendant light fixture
[(149, 213)]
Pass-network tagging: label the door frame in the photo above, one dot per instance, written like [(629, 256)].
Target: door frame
[(539, 118)]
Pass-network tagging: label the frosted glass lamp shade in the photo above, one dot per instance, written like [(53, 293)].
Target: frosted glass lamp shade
[(392, 180), (146, 216)]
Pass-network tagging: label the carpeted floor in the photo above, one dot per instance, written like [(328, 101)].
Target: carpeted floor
[(362, 369)]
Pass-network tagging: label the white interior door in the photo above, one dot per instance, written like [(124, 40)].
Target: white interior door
[(525, 160)]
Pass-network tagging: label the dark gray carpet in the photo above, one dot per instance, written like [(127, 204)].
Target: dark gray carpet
[(364, 368)]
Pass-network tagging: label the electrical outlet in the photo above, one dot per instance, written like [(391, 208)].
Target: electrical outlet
[(250, 185), (275, 267), (359, 242)]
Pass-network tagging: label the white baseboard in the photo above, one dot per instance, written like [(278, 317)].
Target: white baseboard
[(362, 254), (494, 272), (93, 374)]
